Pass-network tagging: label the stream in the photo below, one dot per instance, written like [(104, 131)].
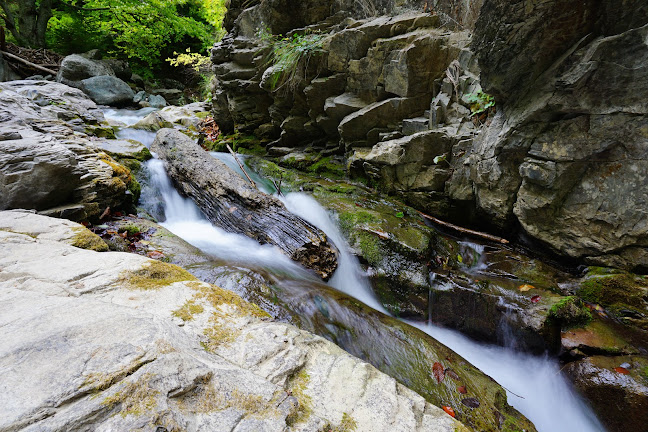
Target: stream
[(534, 384)]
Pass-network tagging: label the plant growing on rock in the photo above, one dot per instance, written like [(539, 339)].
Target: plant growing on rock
[(290, 58), (480, 102)]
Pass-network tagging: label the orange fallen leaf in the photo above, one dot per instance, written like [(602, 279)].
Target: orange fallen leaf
[(526, 287), (437, 370), (155, 254), (622, 370), (449, 410), (462, 389), (535, 299)]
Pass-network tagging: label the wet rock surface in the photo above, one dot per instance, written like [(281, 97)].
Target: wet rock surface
[(391, 346), (617, 386), (119, 341)]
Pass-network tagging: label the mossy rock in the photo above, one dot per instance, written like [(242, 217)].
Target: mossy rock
[(155, 275), (85, 239), (625, 295), (239, 143), (570, 312), (101, 131), (599, 337)]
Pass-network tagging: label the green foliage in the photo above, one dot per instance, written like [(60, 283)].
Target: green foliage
[(141, 30), (480, 102), (291, 56)]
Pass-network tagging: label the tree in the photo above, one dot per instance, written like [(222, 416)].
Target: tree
[(27, 20), (138, 29)]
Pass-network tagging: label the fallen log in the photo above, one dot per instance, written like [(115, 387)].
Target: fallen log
[(28, 63), (231, 203)]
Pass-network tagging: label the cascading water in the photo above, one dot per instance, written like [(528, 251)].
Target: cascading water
[(534, 384)]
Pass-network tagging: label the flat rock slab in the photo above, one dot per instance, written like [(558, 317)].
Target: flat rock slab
[(115, 341)]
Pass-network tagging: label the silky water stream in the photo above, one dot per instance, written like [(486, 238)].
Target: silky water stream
[(534, 384)]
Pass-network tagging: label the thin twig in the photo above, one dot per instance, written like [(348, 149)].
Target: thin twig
[(28, 63), (464, 230), (514, 394), (277, 186), (240, 165)]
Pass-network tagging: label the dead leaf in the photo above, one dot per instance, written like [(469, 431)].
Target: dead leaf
[(452, 374), (535, 299), (526, 287), (471, 402), (462, 389), (622, 370), (155, 254), (449, 410), (437, 370)]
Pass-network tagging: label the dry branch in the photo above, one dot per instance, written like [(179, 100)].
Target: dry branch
[(28, 63)]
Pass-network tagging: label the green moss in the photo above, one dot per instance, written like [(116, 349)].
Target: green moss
[(133, 165), (328, 168), (349, 220), (370, 248), (130, 229), (219, 333), (134, 398), (602, 271), (143, 155), (188, 310), (644, 373), (570, 312), (298, 386), (101, 131), (154, 276), (243, 144), (85, 239), (615, 289), (217, 296)]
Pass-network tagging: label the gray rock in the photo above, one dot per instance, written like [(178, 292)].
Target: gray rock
[(108, 90), (47, 165), (120, 67), (75, 68), (173, 96), (107, 354), (553, 159)]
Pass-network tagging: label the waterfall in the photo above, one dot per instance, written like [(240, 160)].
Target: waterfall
[(534, 384)]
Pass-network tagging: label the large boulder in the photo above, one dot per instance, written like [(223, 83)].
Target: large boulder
[(75, 68), (108, 90), (115, 341), (48, 161)]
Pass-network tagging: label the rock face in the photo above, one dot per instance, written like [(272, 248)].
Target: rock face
[(48, 160), (566, 155), (75, 68), (563, 159), (6, 73), (114, 341)]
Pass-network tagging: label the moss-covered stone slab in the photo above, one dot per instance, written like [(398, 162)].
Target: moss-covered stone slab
[(598, 337), (623, 294)]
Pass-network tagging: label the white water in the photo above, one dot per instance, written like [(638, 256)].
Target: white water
[(547, 400)]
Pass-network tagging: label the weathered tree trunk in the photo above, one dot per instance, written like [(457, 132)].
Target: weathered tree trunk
[(30, 25), (232, 204)]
